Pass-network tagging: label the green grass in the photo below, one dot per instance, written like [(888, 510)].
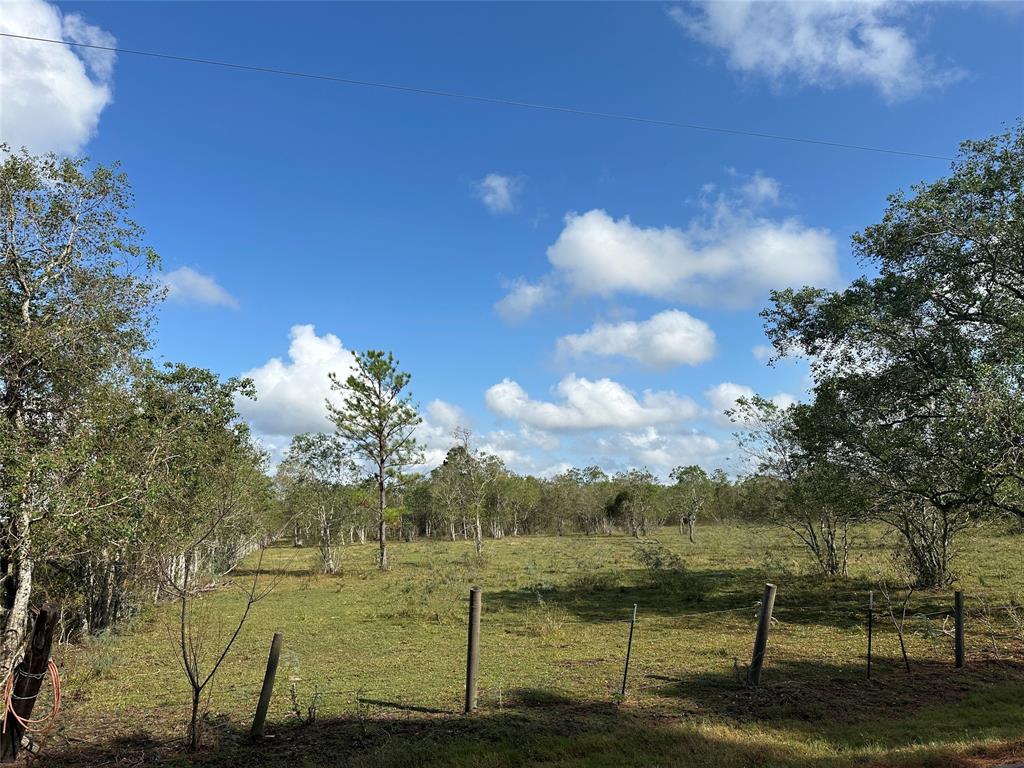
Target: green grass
[(386, 653)]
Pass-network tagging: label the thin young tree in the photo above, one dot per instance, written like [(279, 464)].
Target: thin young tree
[(377, 422)]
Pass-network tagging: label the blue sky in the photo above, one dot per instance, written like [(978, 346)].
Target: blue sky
[(576, 290)]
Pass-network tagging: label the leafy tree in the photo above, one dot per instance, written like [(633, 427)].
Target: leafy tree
[(319, 468), (919, 365), (691, 494), (635, 500), (77, 288), (376, 422)]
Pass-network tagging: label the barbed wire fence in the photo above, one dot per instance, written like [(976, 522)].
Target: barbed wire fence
[(996, 634)]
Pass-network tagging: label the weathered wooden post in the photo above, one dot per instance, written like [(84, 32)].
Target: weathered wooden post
[(958, 637), (761, 640), (473, 649), (871, 623), (28, 680), (629, 650), (267, 690)]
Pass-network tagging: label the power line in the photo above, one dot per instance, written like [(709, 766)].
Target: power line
[(486, 99)]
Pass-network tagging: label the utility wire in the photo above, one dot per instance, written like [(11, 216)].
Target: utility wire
[(488, 99)]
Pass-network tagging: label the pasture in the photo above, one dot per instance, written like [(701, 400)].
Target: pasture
[(381, 657)]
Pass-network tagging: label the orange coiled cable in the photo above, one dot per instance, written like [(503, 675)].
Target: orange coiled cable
[(39, 725)]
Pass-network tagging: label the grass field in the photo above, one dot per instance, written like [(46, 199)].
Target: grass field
[(383, 655)]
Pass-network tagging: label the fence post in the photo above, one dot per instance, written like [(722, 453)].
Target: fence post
[(871, 624), (761, 640), (473, 649), (29, 675), (268, 687), (958, 638), (629, 650)]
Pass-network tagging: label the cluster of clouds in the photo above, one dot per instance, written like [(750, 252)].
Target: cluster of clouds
[(600, 419), (729, 255), (824, 44)]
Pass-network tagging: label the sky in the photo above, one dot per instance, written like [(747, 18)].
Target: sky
[(575, 290)]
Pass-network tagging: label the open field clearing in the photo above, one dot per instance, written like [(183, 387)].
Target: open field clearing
[(382, 658)]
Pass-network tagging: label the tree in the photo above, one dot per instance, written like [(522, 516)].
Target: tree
[(916, 364), (319, 469), (635, 501), (377, 423), (691, 494), (77, 289)]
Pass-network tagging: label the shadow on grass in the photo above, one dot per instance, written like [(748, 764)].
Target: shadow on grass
[(608, 597), (538, 727), (935, 702)]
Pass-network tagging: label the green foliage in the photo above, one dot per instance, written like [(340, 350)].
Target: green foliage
[(376, 424), (919, 365)]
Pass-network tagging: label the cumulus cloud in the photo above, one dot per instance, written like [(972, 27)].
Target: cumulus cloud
[(723, 396), (521, 300), (822, 44), (189, 286), (51, 96), (499, 193), (669, 338), (586, 404), (727, 255), (734, 259), (291, 394)]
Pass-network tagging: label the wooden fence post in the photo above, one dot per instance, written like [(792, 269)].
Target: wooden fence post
[(29, 680), (260, 718), (473, 649), (871, 624), (761, 640), (958, 637), (629, 650)]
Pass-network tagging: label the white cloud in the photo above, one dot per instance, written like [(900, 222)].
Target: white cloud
[(189, 286), (586, 404), (662, 452), (51, 96), (733, 259), (446, 416), (723, 396), (291, 394), (760, 189), (726, 256), (819, 43), (762, 352), (521, 300), (669, 338), (499, 193)]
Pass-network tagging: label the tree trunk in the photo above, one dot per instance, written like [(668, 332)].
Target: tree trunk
[(479, 536), (194, 734), (382, 528), (16, 620), (691, 521)]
